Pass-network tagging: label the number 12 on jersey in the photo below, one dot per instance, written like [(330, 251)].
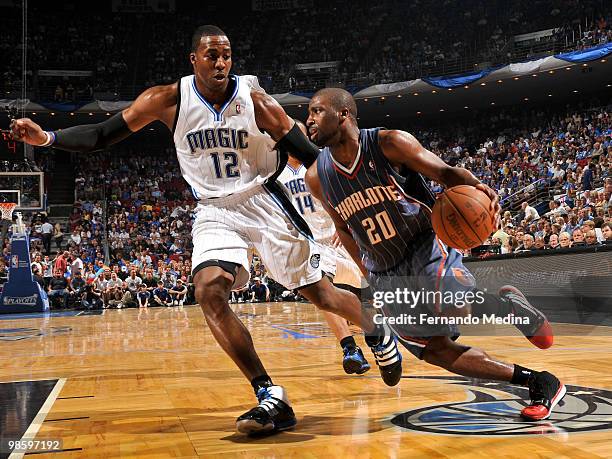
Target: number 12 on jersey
[(230, 160), (382, 226)]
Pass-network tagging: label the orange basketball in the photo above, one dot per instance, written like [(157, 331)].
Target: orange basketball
[(461, 217)]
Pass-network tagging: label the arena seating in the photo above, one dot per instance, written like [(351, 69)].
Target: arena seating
[(394, 41)]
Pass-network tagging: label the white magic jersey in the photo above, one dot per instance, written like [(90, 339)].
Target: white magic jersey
[(222, 152), (335, 261), (320, 223)]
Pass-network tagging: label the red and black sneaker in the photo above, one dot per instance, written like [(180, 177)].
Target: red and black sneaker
[(539, 330), (545, 391)]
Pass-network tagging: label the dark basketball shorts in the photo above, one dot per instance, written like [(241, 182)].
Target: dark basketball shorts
[(414, 295)]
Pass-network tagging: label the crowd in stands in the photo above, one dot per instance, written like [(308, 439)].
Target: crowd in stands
[(394, 41), (454, 37), (544, 155), (572, 223), (518, 152)]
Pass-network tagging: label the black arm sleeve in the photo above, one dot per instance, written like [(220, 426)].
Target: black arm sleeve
[(296, 143), (92, 137)]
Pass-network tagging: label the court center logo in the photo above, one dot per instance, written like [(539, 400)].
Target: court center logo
[(493, 408)]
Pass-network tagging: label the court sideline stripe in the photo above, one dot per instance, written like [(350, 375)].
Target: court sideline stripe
[(32, 430)]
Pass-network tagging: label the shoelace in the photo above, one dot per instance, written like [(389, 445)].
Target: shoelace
[(516, 298), (537, 392), (383, 352), (263, 394), (266, 400), (349, 350)]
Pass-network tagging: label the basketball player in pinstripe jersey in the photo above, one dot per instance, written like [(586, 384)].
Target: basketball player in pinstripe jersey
[(370, 183)]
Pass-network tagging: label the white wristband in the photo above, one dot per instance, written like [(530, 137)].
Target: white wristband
[(50, 138)]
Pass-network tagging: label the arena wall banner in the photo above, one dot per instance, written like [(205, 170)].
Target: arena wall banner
[(569, 285), (511, 70), (403, 87)]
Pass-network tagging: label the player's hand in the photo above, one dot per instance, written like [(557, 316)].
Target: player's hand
[(495, 208), (26, 130), (335, 240)]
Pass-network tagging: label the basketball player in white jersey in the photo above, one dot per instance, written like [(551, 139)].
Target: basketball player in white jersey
[(228, 135), (335, 260)]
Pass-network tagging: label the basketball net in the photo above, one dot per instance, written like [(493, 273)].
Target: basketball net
[(7, 209)]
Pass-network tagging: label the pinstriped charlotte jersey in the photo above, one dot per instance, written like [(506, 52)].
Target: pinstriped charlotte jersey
[(320, 223), (222, 152), (384, 211)]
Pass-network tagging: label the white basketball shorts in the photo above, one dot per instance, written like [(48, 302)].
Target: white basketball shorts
[(262, 218), (337, 262)]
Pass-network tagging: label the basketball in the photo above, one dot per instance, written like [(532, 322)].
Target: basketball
[(461, 217)]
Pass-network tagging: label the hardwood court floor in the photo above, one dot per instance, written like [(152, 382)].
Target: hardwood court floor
[(155, 384)]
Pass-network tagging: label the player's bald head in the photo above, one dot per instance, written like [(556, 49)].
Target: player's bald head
[(339, 99)]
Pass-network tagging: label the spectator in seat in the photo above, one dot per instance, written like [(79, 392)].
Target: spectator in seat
[(555, 209), (37, 263), (133, 282), (578, 238), (76, 237), (161, 297), (179, 293), (47, 270), (143, 296), (259, 291), (92, 298), (37, 277), (169, 280), (591, 238), (527, 244), (509, 245), (572, 223), (553, 241), (565, 240), (606, 231), (501, 235), (76, 265), (539, 243), (530, 214), (58, 287), (150, 281), (77, 284), (114, 291)]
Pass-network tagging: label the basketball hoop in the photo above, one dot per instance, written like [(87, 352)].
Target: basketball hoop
[(7, 209)]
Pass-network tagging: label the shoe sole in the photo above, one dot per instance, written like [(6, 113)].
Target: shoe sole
[(397, 377), (556, 399), (251, 427), (354, 367), (544, 337)]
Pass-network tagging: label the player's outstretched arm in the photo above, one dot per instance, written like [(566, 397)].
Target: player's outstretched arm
[(270, 116), (157, 103), (402, 148), (314, 185)]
